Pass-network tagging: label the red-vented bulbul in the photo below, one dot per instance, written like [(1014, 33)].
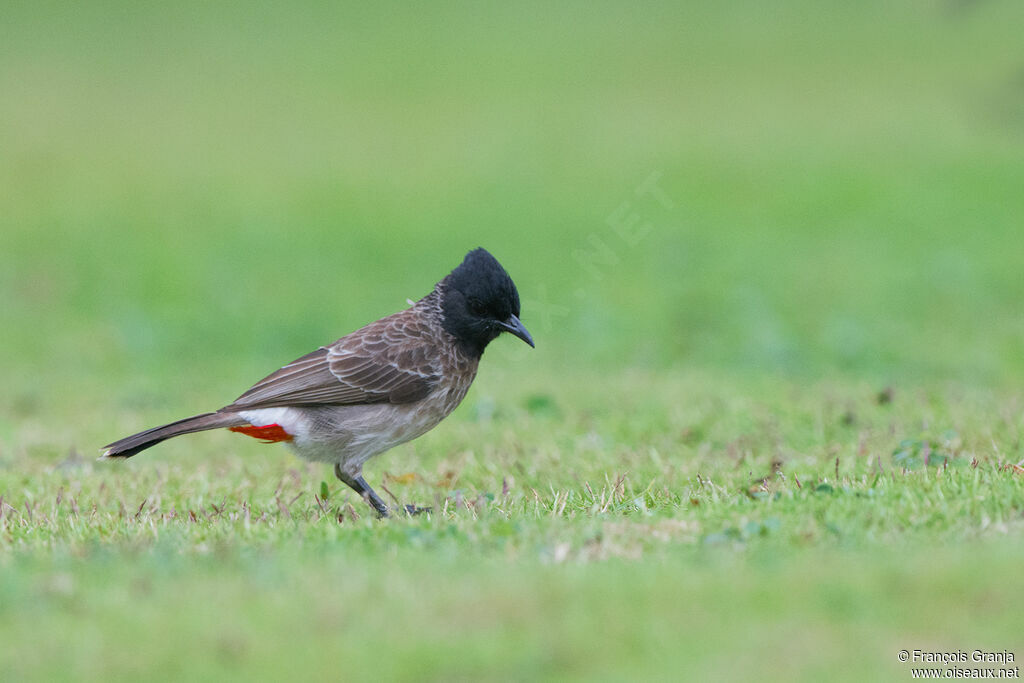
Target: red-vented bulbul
[(375, 388)]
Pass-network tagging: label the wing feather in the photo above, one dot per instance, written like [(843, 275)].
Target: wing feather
[(389, 361)]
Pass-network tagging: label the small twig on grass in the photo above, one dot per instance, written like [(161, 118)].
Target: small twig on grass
[(320, 503), (565, 501), (393, 496), (620, 485), (536, 500), (352, 512)]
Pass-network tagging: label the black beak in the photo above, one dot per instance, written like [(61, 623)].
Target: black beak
[(515, 326)]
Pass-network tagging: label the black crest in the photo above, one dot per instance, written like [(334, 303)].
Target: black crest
[(478, 297)]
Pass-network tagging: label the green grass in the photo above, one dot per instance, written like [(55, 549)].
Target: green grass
[(779, 436), (572, 539)]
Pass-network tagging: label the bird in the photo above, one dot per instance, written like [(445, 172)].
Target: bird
[(375, 388)]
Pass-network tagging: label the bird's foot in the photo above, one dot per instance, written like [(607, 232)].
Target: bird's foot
[(359, 485)]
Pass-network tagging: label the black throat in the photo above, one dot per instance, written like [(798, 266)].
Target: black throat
[(476, 300), (470, 336)]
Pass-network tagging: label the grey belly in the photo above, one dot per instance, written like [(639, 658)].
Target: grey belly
[(351, 435)]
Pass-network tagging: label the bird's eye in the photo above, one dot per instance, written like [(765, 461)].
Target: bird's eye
[(476, 307)]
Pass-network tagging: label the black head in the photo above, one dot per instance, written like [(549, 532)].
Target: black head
[(479, 302)]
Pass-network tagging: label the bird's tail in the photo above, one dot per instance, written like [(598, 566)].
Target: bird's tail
[(130, 445)]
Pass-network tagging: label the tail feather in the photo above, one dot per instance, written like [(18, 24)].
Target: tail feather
[(130, 445)]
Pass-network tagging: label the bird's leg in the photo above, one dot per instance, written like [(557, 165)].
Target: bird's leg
[(359, 485)]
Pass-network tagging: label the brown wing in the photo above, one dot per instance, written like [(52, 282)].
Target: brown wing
[(389, 361)]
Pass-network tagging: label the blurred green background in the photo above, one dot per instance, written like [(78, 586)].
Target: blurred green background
[(192, 194)]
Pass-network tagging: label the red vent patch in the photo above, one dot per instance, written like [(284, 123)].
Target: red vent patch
[(271, 433)]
